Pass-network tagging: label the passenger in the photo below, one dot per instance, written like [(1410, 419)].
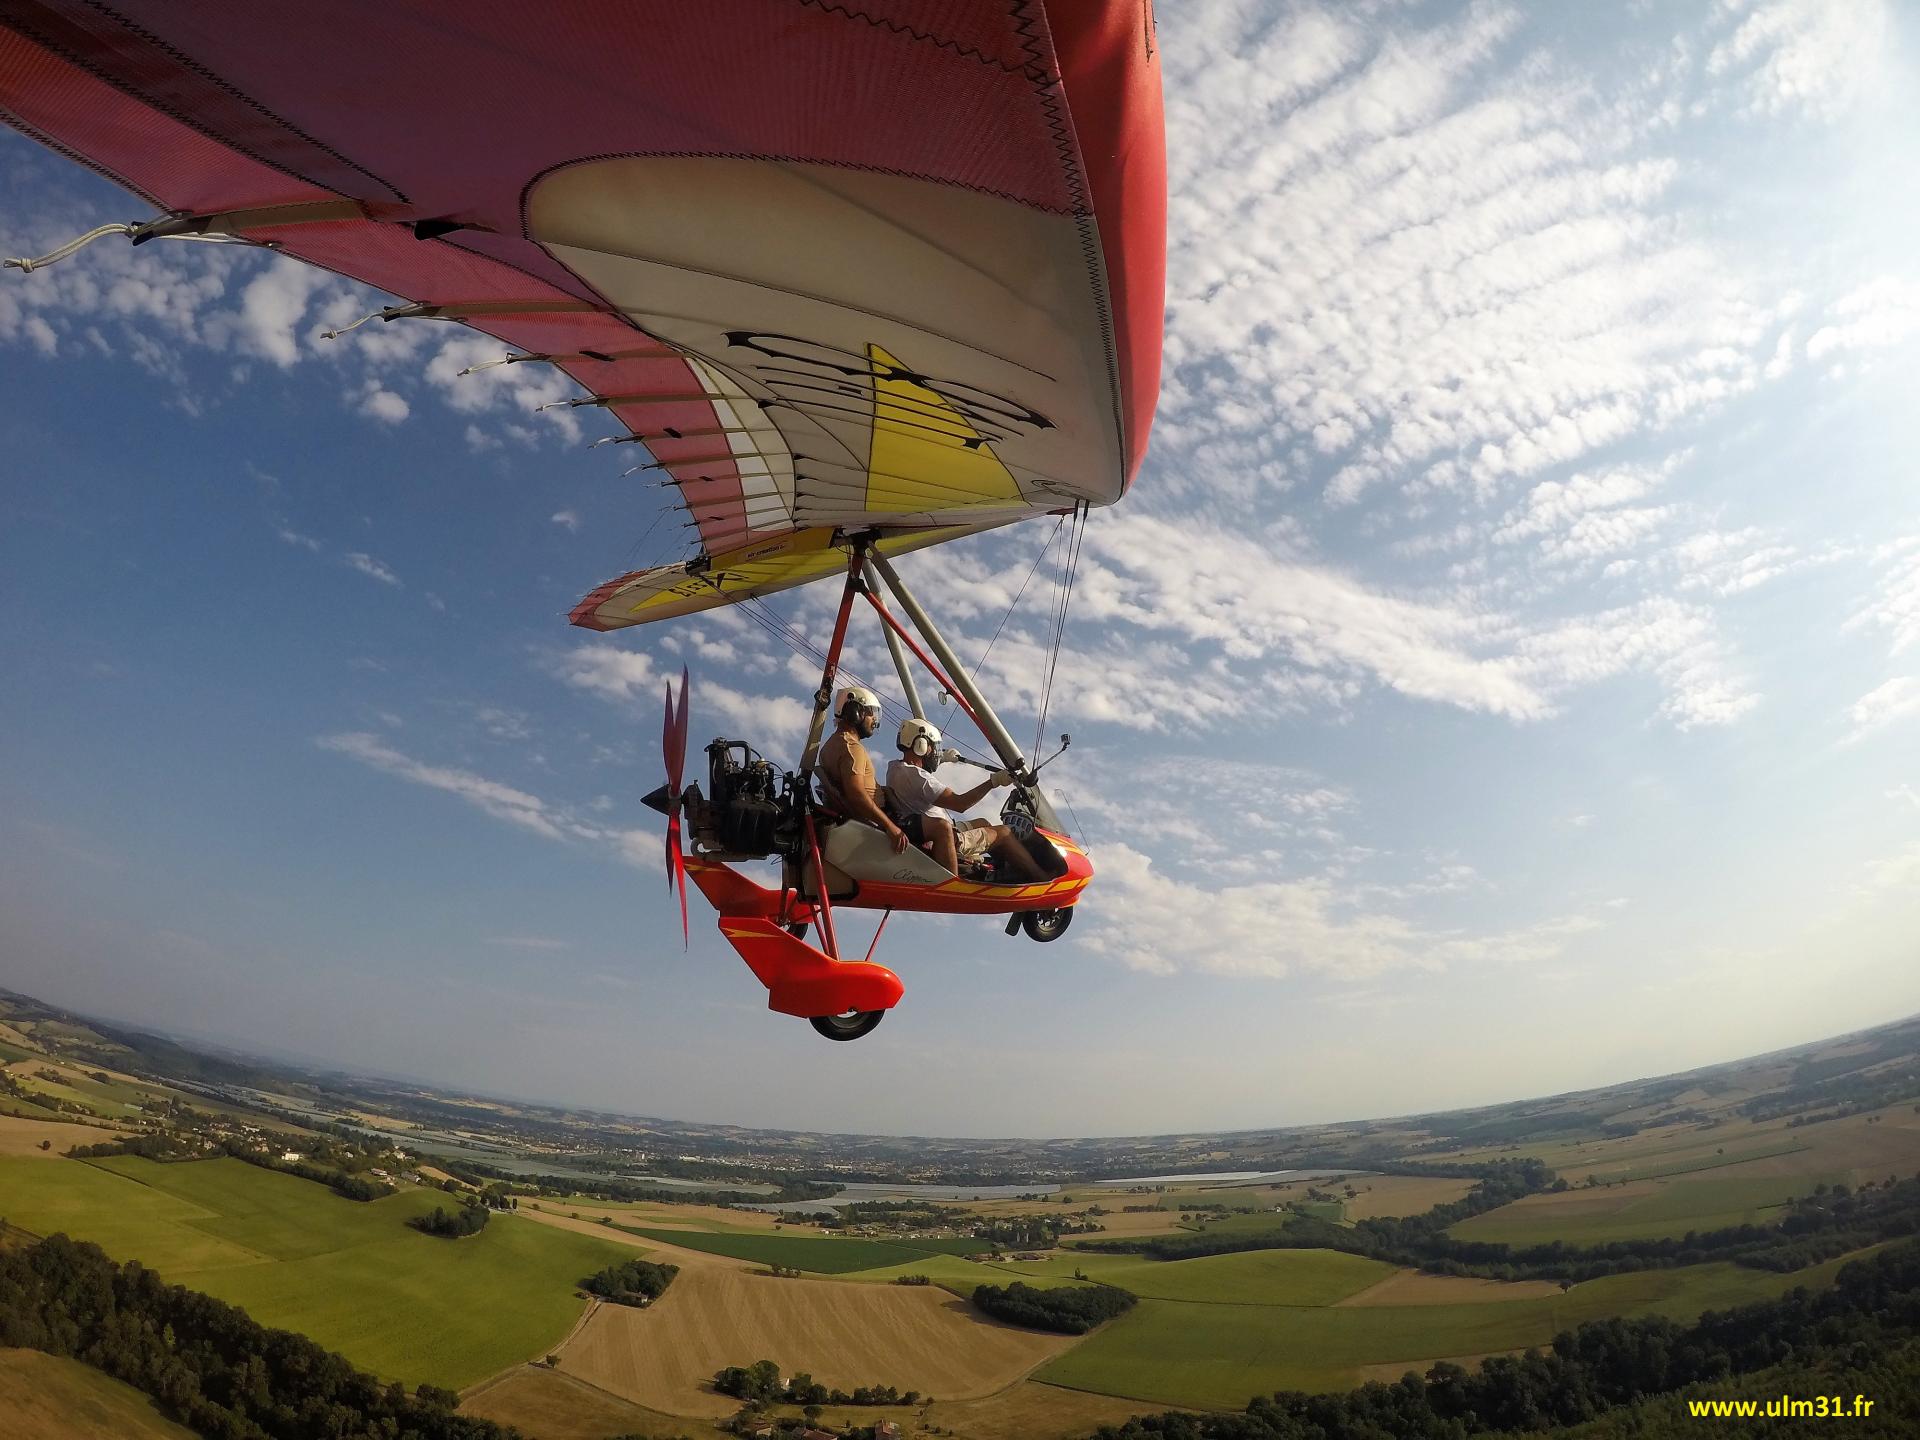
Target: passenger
[(916, 794), (846, 767)]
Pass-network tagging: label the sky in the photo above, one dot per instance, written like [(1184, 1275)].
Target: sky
[(1503, 678)]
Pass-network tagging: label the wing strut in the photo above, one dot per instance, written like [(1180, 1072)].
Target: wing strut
[(978, 709)]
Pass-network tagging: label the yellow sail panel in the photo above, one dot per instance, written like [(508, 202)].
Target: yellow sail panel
[(666, 592), (926, 454)]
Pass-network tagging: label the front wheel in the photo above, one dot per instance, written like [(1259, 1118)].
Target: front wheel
[(850, 1025), (1045, 925)]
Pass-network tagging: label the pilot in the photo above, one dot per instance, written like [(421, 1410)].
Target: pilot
[(846, 767), (916, 794)]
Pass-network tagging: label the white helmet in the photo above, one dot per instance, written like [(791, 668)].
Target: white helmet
[(856, 696), (918, 738)]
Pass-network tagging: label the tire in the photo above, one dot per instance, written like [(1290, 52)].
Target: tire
[(850, 1026), (1046, 925), (798, 929)]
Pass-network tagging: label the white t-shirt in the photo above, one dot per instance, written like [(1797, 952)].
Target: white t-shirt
[(914, 790)]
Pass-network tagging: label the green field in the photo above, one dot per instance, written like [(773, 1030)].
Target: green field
[(1218, 1356), (1250, 1277), (1658, 1169), (1253, 1277), (1259, 1222), (822, 1255), (951, 1272), (352, 1276), (89, 1095), (1667, 1213)]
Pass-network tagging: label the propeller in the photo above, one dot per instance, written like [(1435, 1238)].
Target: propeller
[(673, 749)]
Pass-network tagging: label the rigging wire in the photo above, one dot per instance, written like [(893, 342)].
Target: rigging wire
[(973, 673), (769, 620), (1070, 568)]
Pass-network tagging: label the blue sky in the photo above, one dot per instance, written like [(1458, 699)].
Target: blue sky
[(1504, 677)]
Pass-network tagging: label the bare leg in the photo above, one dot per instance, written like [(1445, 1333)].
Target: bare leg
[(1007, 849), (939, 833)]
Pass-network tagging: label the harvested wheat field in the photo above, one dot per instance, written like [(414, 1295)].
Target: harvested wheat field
[(47, 1397), (1410, 1287), (549, 1406), (1382, 1196), (909, 1336), (24, 1137), (1137, 1222), (1032, 1411)]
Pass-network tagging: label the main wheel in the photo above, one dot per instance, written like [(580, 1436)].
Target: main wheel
[(1045, 925), (798, 929), (850, 1025)]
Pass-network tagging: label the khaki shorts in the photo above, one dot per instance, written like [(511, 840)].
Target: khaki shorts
[(969, 836)]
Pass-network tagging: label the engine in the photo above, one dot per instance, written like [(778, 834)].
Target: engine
[(747, 801)]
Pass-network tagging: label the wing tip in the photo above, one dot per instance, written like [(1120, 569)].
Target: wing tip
[(586, 614)]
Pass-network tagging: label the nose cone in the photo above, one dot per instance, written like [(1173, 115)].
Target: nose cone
[(1079, 866)]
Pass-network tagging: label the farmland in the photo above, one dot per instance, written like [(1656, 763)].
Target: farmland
[(1171, 1352), (822, 1255), (554, 1406), (1255, 1277), (1648, 1209), (23, 1137), (1207, 1332), (910, 1337), (45, 1397), (352, 1276)]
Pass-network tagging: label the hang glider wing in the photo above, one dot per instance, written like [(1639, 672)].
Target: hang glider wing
[(894, 265)]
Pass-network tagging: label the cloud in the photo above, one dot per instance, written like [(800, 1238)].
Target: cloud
[(503, 802), (1897, 700), (384, 405), (503, 724), (294, 537), (567, 518), (1894, 605), (272, 305), (774, 724), (1898, 872), (1879, 315), (1150, 921), (161, 301), (1809, 57), (638, 848), (1430, 271), (367, 565)]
